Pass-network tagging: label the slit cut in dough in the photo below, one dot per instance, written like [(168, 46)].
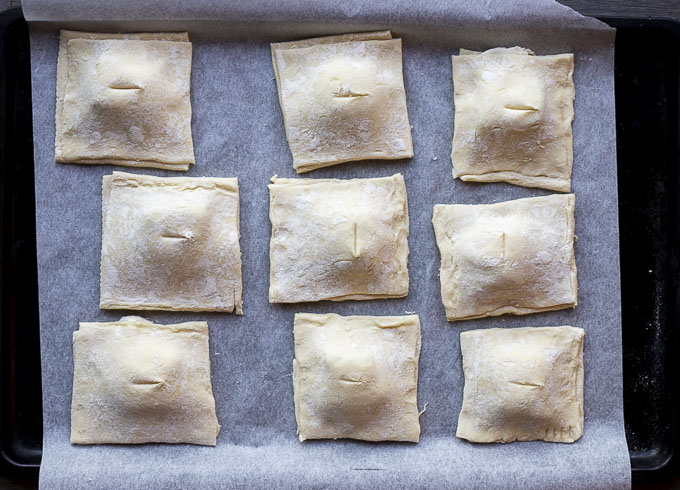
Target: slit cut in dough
[(522, 384), (356, 377), (343, 99), (513, 115), (511, 257), (123, 99), (338, 239), (170, 244), (135, 382)]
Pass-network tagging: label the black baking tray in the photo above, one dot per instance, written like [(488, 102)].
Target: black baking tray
[(648, 143)]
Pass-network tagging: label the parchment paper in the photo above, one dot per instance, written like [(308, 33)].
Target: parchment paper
[(238, 132)]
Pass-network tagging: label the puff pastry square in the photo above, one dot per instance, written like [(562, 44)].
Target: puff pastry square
[(343, 99), (522, 384), (135, 381), (513, 118), (338, 239), (356, 377), (511, 257), (123, 99), (170, 244)]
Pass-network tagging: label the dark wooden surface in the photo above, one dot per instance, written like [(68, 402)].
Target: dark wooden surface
[(668, 9), (604, 8)]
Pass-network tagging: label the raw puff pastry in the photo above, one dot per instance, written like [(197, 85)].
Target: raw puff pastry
[(356, 377), (170, 243), (511, 257), (513, 118), (124, 99), (343, 99), (338, 239), (135, 381), (522, 384)]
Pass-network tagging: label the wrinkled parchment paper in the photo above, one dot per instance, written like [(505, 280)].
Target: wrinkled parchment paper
[(238, 132)]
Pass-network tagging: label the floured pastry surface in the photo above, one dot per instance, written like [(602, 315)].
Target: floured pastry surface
[(338, 239), (513, 115), (135, 381), (522, 384), (356, 377), (343, 99), (170, 243), (511, 257), (124, 99)]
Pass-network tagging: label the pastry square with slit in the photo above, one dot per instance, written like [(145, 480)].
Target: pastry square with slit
[(338, 239), (170, 243), (510, 257), (123, 99), (513, 115), (356, 377), (343, 99), (522, 384), (135, 382)]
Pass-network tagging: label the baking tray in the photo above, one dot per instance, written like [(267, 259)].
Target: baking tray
[(647, 115), (647, 86), (20, 384)]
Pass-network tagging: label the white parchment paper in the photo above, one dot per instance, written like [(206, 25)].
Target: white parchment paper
[(238, 132)]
